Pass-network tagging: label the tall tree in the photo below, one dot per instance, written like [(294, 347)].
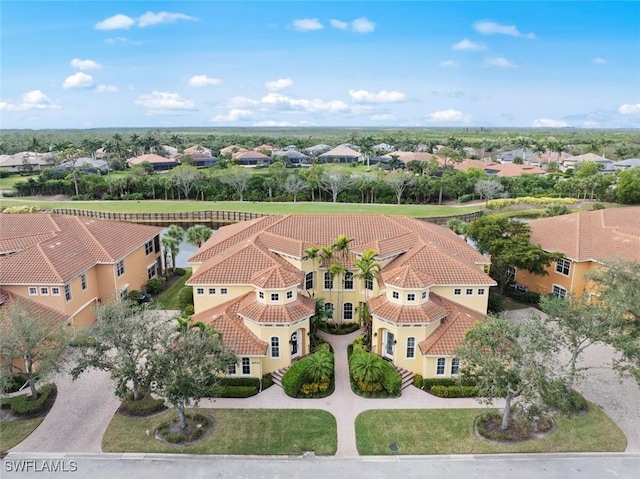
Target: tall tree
[(295, 185), (198, 234), (335, 182), (488, 189), (508, 243), (312, 253), (238, 178), (447, 156), (337, 270), (400, 181), (185, 178), (368, 268)]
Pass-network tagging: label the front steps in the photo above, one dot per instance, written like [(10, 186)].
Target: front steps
[(407, 377), (277, 375)]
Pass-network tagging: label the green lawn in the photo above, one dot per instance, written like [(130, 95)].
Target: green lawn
[(450, 431), (235, 431), (168, 299), (15, 431), (8, 182), (155, 206)]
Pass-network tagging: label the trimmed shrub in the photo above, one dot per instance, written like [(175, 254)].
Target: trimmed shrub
[(598, 206), (294, 378), (496, 303), (313, 388), (185, 297), (145, 406), (23, 405), (528, 200), (231, 381), (181, 271), (524, 296), (233, 391), (13, 384), (368, 387), (465, 198), (84, 341), (555, 395), (391, 379), (189, 310), (134, 295), (418, 381), (454, 391), (428, 383), (154, 285), (267, 381)]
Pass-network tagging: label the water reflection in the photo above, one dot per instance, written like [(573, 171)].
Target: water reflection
[(186, 251)]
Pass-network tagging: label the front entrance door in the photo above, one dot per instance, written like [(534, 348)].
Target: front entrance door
[(294, 344), (388, 345)]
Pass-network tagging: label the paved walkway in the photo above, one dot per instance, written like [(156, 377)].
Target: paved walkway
[(344, 404)]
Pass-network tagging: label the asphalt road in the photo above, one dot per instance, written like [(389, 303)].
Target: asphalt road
[(158, 466)]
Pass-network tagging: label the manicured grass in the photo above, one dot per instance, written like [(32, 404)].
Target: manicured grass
[(9, 182), (16, 431), (450, 431), (168, 299), (235, 431), (158, 206)]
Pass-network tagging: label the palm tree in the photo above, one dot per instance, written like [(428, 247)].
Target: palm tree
[(523, 143), (319, 318), (341, 245), (366, 367), (198, 234), (337, 270), (176, 233), (169, 245), (320, 366), (312, 254), (368, 268)]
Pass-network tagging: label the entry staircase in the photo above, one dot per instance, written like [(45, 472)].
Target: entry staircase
[(277, 375)]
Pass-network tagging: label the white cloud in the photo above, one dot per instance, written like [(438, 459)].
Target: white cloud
[(339, 24), (314, 105), (279, 84), (307, 24), (159, 102), (239, 102), (106, 89), (548, 123), (120, 40), (201, 81), (116, 22), (31, 100), (150, 18), (85, 64), (235, 114), (78, 80), (599, 60), (273, 123), (447, 115), (383, 96), (383, 117), (629, 109), (491, 28), (500, 62), (469, 46), (362, 25), (448, 63)]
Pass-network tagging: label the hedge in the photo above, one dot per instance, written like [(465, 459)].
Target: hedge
[(528, 200), (454, 391), (23, 405), (294, 378), (524, 296), (231, 381), (232, 391), (391, 379)]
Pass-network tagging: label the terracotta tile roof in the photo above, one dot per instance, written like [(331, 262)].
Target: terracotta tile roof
[(301, 308), (276, 277), (407, 277), (424, 313), (251, 154), (511, 169), (151, 158), (72, 246), (231, 149), (449, 335), (591, 235), (9, 300), (235, 334), (388, 247)]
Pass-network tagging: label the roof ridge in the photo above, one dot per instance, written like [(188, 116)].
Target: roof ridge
[(91, 237), (48, 261)]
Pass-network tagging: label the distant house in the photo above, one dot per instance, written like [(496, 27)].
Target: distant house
[(232, 150), (383, 148), (293, 158), (158, 162), (265, 147), (317, 149), (511, 169), (204, 161), (86, 163), (251, 159), (508, 156), (25, 160), (340, 154), (586, 239), (198, 150), (624, 164), (575, 162), (70, 263)]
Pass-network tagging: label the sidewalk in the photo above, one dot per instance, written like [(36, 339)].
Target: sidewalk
[(344, 404)]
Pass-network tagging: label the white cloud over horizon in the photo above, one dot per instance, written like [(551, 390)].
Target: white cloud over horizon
[(148, 19), (31, 100), (629, 109), (468, 45), (85, 64), (449, 115), (548, 123), (383, 96), (279, 84), (78, 80), (203, 81), (487, 27), (234, 115), (159, 103), (307, 24)]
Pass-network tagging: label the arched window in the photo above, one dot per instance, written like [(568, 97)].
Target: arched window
[(275, 347), (347, 312), (308, 280)]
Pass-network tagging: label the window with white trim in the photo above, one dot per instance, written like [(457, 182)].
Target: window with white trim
[(232, 369), (83, 281), (440, 366), (308, 280), (151, 271), (347, 282), (411, 348), (469, 291), (329, 309), (559, 291), (424, 295), (223, 291), (480, 291), (212, 291), (33, 291), (457, 291), (368, 284), (289, 294), (275, 347), (563, 266), (67, 292), (328, 280), (261, 294), (347, 311), (120, 267), (55, 291), (246, 366), (275, 297), (200, 291), (411, 296), (455, 366), (124, 292), (44, 291), (395, 295), (148, 247)]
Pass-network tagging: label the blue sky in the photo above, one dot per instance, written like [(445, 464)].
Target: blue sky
[(375, 63)]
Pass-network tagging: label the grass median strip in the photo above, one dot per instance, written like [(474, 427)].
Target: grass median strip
[(15, 431), (450, 431), (234, 431)]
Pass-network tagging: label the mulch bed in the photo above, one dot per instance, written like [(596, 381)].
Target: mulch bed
[(488, 428)]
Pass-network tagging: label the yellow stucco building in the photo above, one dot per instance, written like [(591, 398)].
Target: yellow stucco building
[(256, 283), (587, 240), (70, 264)]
